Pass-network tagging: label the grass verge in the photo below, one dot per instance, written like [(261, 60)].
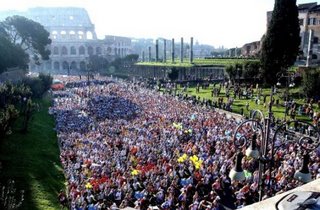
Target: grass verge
[(278, 110), (32, 161)]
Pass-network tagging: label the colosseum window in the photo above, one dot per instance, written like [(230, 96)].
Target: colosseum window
[(90, 50), (73, 50), (98, 50), (81, 50), (64, 51), (89, 35), (80, 34), (56, 51), (72, 35), (56, 65)]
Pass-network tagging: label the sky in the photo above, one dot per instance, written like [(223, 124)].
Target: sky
[(228, 23)]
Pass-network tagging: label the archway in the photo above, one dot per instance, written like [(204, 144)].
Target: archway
[(56, 50), (73, 50), (56, 65), (82, 50), (90, 50), (82, 66), (64, 51)]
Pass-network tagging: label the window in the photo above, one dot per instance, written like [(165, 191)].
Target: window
[(81, 50), (80, 34), (56, 51), (315, 40), (64, 51), (65, 65), (312, 21), (98, 50), (73, 50), (54, 34), (89, 35), (90, 50), (72, 35), (63, 34), (56, 65)]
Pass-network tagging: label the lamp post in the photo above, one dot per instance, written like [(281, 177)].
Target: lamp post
[(262, 141), (289, 83)]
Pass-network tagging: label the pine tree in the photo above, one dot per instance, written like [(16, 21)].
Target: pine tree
[(280, 46)]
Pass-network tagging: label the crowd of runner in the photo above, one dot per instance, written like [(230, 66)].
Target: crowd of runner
[(126, 146)]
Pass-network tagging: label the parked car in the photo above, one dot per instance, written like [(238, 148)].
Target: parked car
[(57, 85)]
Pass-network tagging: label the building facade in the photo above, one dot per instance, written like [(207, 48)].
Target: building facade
[(73, 38)]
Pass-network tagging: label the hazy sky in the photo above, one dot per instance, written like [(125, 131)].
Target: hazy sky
[(230, 23)]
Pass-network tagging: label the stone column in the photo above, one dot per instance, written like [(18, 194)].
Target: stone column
[(181, 50), (309, 56), (149, 54), (191, 50), (172, 51), (143, 56), (164, 50), (157, 50)]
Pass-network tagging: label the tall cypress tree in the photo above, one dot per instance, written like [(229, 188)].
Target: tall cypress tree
[(280, 46)]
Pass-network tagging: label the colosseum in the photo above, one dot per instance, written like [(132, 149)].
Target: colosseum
[(73, 38)]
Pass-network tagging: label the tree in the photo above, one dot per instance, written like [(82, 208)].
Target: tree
[(27, 34), (280, 46), (11, 55), (251, 70), (231, 71), (46, 81), (310, 83)]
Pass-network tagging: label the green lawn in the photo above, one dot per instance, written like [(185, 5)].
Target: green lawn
[(278, 111), (199, 62), (32, 160)]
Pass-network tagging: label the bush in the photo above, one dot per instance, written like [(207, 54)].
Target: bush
[(46, 80), (36, 85)]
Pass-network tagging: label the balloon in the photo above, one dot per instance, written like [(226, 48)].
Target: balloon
[(88, 185), (135, 172)]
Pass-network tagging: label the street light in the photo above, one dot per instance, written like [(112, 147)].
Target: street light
[(257, 133), (289, 84)]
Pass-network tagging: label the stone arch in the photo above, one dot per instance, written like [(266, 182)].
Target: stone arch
[(82, 66), (63, 34), (90, 50), (80, 34), (56, 65), (65, 65), (98, 51), (55, 50), (64, 50), (73, 50), (89, 35), (82, 50), (73, 65), (72, 34), (54, 34), (109, 50)]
